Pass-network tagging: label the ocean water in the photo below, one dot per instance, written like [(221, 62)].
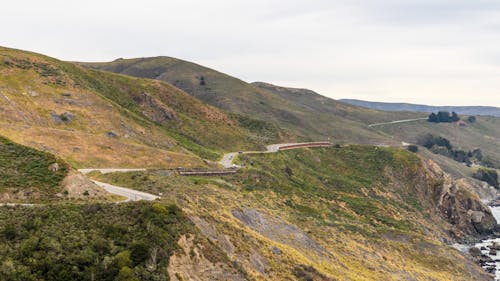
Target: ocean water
[(485, 243)]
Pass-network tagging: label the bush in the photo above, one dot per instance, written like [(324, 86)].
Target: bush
[(429, 141), (443, 117), (413, 148), (487, 175)]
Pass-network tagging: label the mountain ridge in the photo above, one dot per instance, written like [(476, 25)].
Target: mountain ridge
[(389, 106)]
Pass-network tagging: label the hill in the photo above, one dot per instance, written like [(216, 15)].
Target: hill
[(483, 134), (465, 110), (136, 241), (92, 118), (346, 212), (351, 213), (311, 115)]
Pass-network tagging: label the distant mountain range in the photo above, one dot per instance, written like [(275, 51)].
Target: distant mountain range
[(465, 110)]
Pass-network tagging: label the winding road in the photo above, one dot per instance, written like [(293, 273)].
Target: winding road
[(226, 162), (397, 122)]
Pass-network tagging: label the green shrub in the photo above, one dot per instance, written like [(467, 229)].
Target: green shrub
[(487, 175), (413, 148)]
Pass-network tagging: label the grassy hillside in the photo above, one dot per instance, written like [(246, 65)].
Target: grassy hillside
[(23, 169), (92, 118), (96, 242), (28, 175), (354, 213), (303, 111), (483, 134)]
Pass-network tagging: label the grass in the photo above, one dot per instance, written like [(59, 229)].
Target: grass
[(306, 114), (22, 168), (347, 199), (153, 121)]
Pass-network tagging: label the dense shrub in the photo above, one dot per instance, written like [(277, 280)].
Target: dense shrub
[(25, 167), (487, 175), (94, 242), (443, 117), (413, 148)]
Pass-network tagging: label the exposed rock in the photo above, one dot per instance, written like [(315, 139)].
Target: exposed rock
[(458, 204), (111, 134), (280, 231), (276, 251), (65, 117), (77, 185), (54, 167), (8, 61), (66, 94), (211, 233), (153, 108), (475, 252), (191, 264)]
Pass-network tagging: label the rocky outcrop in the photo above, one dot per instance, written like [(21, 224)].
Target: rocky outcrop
[(191, 263), (77, 186), (457, 202), (153, 108), (280, 231)]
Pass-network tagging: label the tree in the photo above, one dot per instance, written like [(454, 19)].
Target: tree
[(413, 148), (433, 118), (487, 175), (444, 116), (454, 117), (472, 119)]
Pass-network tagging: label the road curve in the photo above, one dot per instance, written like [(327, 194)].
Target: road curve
[(227, 159), (132, 195)]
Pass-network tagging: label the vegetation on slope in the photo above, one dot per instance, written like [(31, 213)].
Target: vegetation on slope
[(359, 213), (91, 242), (93, 118), (311, 115), (23, 169)]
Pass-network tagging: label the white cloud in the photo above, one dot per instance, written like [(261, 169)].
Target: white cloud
[(436, 52)]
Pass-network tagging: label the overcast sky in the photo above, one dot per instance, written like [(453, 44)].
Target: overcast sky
[(421, 51)]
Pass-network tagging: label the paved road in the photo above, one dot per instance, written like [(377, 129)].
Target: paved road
[(109, 170), (397, 122), (132, 195), (227, 160)]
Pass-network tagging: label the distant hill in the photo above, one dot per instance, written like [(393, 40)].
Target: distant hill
[(465, 110), (310, 114)]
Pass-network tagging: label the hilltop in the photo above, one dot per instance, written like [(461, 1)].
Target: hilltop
[(465, 110), (91, 118), (311, 115)]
